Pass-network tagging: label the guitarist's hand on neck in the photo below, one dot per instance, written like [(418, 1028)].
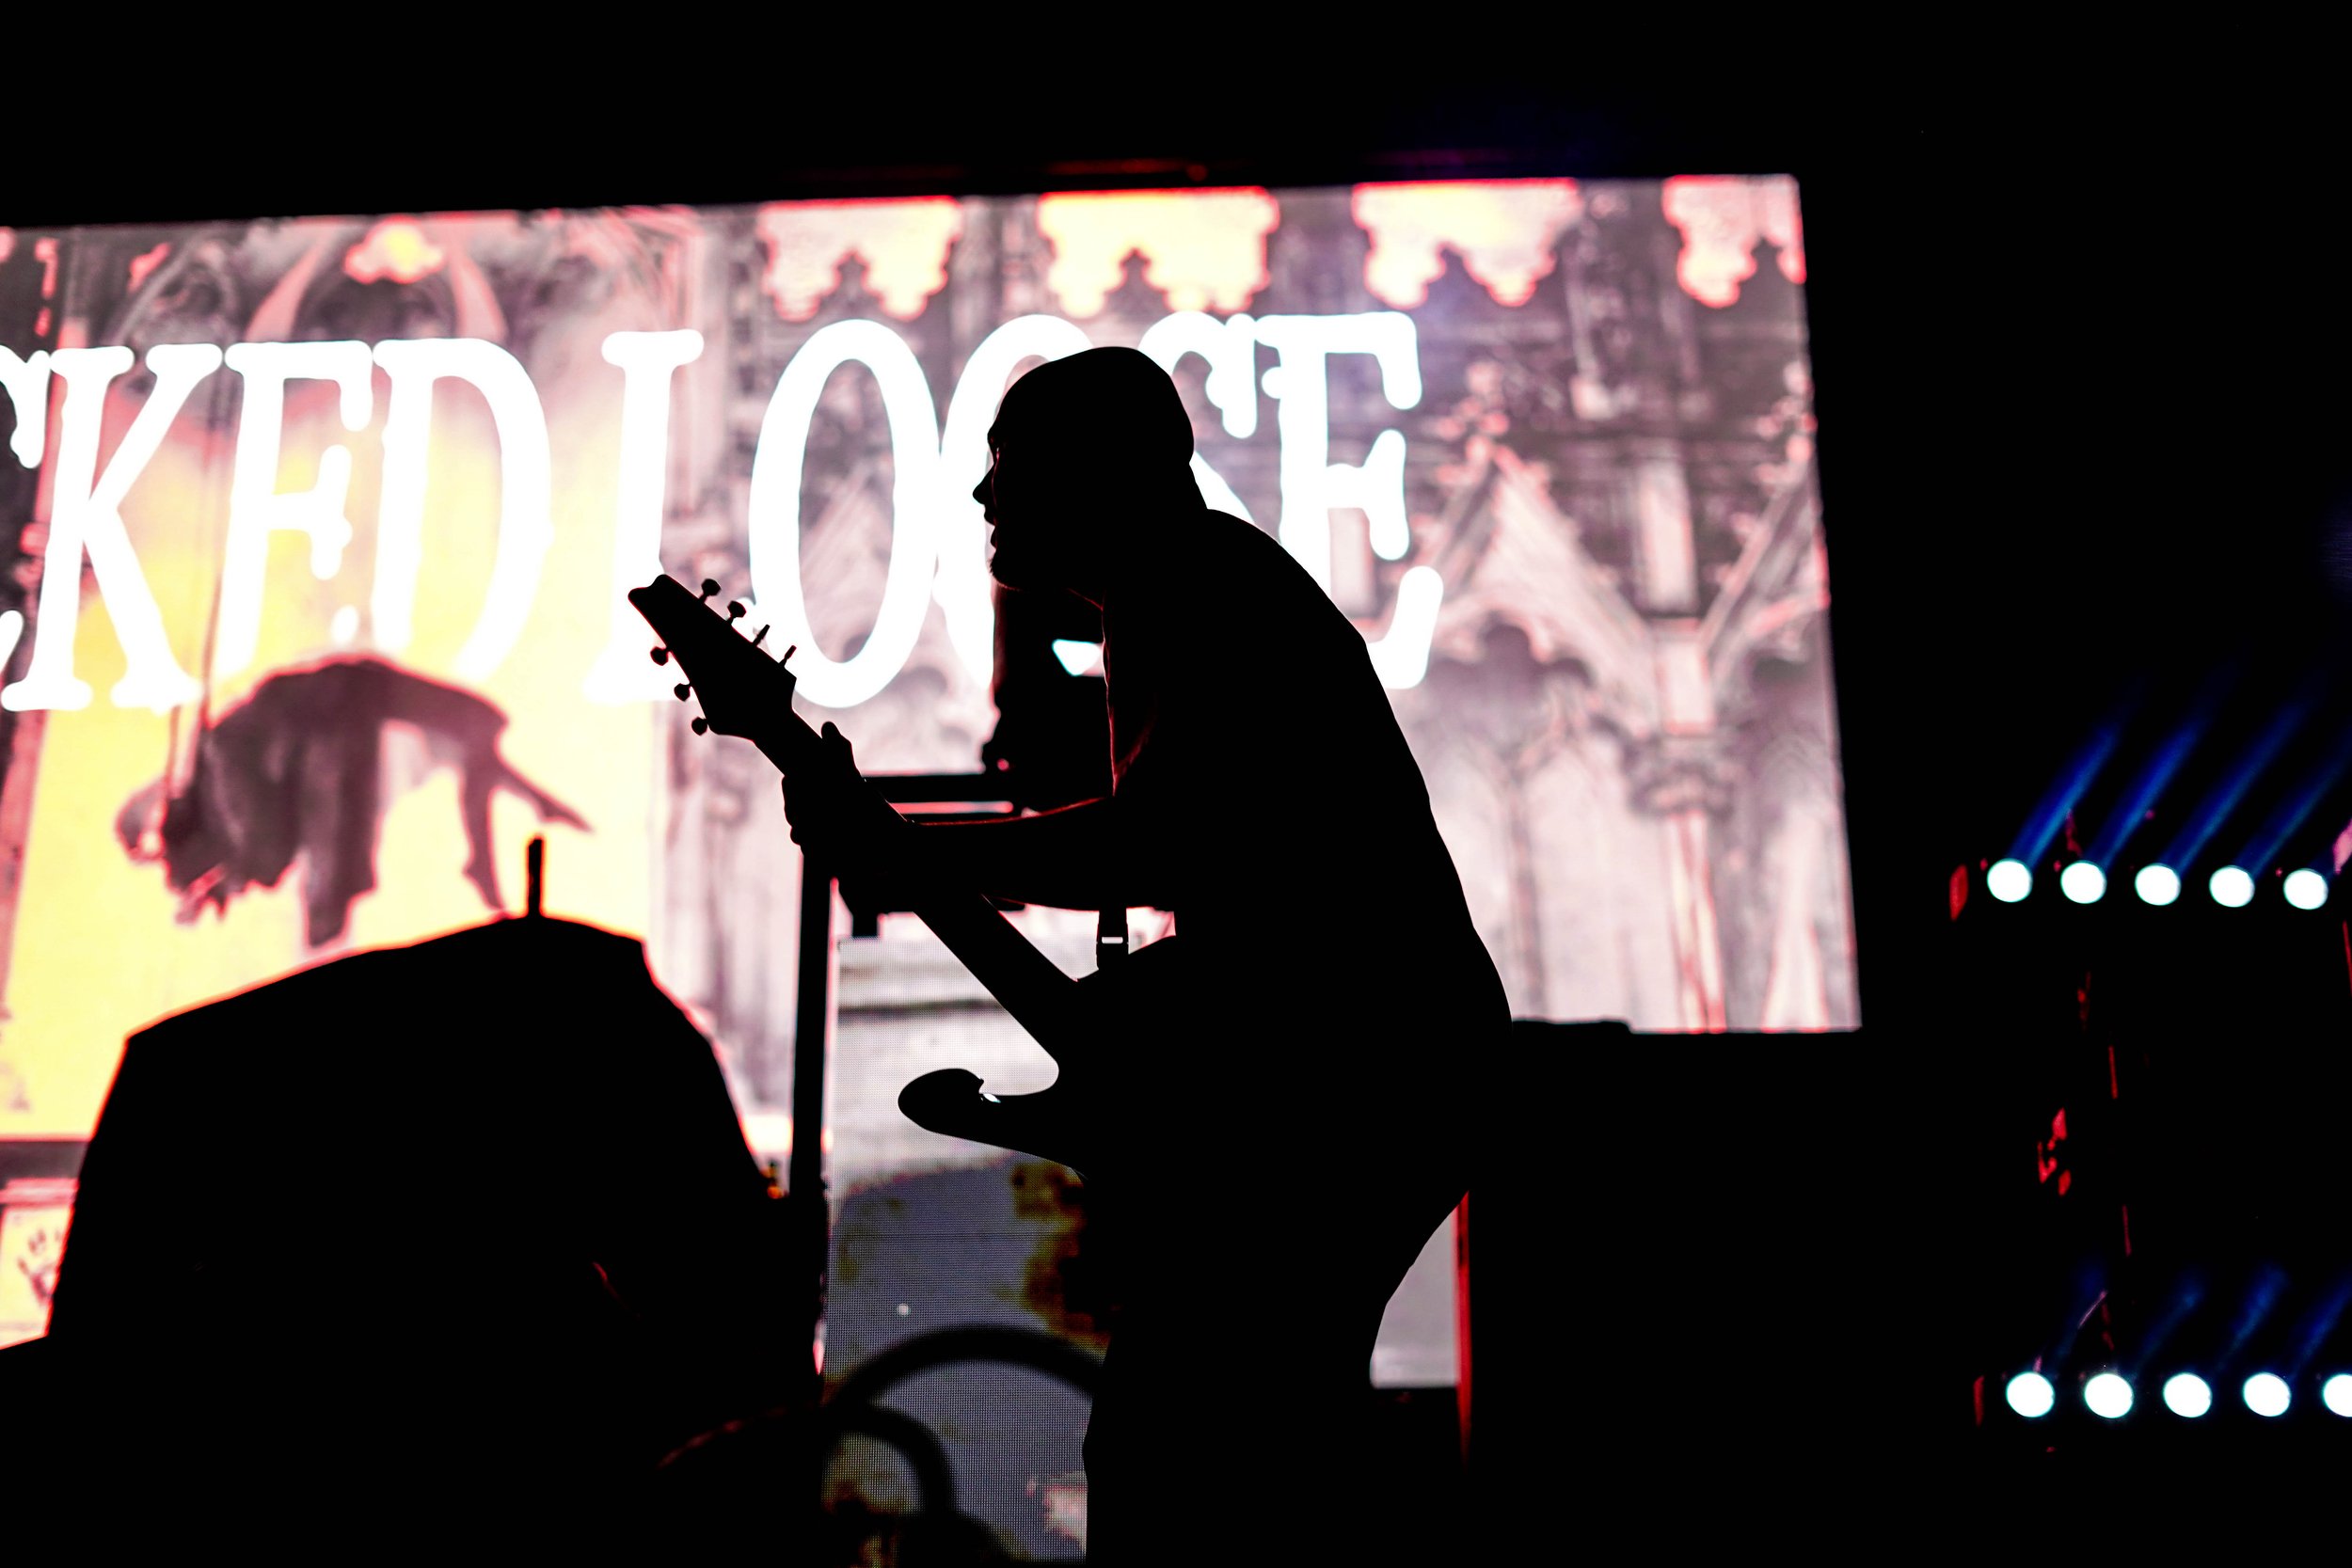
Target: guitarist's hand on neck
[(839, 820)]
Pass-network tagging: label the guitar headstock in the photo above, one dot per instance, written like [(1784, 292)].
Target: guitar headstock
[(741, 688)]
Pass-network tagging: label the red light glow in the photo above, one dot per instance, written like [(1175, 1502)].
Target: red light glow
[(1202, 250), (1505, 231), (147, 262), (1721, 218), (396, 248), (902, 243), (2045, 1158)]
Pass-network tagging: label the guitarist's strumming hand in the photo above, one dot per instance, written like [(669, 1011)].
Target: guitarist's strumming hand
[(839, 819)]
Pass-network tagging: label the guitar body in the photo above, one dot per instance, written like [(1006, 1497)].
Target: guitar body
[(1105, 1108)]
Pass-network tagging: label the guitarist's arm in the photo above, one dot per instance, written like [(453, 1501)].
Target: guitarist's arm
[(1080, 857)]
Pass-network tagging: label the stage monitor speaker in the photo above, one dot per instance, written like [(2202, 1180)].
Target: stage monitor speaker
[(475, 1207), (1682, 1256)]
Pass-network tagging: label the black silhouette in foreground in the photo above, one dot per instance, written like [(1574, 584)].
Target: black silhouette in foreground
[(1318, 1022), (541, 1286), (297, 768)]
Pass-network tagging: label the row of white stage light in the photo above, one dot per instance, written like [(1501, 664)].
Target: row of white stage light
[(2185, 1394), (2083, 882)]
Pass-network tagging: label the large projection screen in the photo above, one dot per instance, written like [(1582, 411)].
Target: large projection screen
[(1547, 441)]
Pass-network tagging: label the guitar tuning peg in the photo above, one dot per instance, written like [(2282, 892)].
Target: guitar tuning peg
[(661, 656), (710, 588), (734, 610), (681, 690), (762, 636), (789, 653), (700, 726)]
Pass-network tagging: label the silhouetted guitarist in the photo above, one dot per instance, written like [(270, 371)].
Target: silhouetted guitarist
[(1295, 1063)]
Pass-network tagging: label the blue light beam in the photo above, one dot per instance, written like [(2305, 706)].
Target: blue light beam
[(2293, 812), (2268, 1285), (2317, 1328), (2145, 790), (2223, 799), (2033, 840)]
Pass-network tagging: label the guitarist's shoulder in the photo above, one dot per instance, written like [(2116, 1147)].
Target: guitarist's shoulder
[(1222, 530), (1240, 557), (1223, 570)]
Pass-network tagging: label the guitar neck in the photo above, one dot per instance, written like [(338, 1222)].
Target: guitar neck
[(1041, 998)]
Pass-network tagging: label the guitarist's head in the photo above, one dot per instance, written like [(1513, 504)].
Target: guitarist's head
[(1084, 451)]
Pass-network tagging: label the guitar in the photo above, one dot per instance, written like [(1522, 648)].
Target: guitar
[(746, 693)]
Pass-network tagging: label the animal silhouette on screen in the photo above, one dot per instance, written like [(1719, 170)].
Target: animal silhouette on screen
[(1317, 1019), (297, 770)]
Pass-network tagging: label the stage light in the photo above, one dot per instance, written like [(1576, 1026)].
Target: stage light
[(2031, 1396), (2109, 1395), (2305, 889), (2083, 881), (2266, 1394), (2231, 887), (2158, 884), (2187, 1394), (2336, 1394), (2008, 880)]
